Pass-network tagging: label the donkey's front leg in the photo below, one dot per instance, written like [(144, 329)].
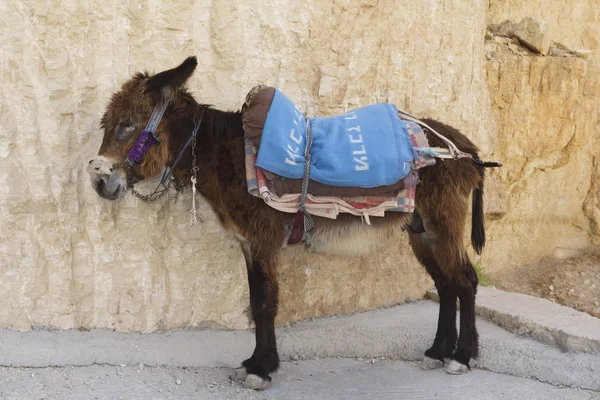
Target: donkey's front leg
[(262, 278)]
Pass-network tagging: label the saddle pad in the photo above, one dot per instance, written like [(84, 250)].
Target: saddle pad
[(367, 147), (331, 206)]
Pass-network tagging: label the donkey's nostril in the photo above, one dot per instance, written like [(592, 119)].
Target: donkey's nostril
[(91, 161), (101, 184), (97, 168)]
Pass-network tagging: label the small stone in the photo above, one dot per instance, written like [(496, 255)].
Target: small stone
[(123, 365), (551, 288), (535, 34), (581, 53), (559, 50), (141, 366), (506, 28), (294, 357), (178, 382)]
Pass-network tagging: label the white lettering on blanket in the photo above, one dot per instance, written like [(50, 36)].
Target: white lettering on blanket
[(294, 152), (361, 162)]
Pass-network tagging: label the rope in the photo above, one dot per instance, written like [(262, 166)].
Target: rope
[(454, 151), (308, 221)]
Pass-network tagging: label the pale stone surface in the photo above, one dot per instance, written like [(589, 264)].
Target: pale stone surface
[(534, 33), (71, 260)]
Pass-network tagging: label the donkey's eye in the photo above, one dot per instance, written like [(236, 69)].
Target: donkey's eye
[(126, 126), (123, 130)]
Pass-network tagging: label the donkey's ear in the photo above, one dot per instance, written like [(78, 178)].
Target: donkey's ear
[(167, 82)]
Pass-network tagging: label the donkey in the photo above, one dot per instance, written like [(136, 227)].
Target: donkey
[(435, 228)]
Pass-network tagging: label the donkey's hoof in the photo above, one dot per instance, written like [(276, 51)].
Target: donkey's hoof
[(456, 368), (431, 363), (255, 382)]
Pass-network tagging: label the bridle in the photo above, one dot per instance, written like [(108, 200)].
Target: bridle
[(145, 141)]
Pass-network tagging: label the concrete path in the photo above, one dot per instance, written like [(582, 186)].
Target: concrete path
[(510, 365), (316, 379)]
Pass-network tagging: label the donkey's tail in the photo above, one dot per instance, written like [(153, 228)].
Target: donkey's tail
[(477, 221)]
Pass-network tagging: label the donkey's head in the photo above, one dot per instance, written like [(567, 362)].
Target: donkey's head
[(129, 153)]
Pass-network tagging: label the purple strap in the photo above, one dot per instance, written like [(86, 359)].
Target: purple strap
[(146, 139), (144, 142)]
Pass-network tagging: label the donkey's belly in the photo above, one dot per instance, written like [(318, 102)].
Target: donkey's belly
[(350, 236)]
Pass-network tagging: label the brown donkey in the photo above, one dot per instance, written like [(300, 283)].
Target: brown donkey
[(436, 228)]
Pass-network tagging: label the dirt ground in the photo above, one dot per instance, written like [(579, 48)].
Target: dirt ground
[(573, 282)]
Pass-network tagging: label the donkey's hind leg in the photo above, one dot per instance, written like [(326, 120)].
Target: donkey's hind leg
[(446, 334), (468, 340), (440, 248)]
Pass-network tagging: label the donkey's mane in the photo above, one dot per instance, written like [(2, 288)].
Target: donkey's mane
[(218, 125), (222, 125)]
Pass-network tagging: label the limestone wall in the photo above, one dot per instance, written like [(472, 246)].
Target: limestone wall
[(546, 195), (71, 260)]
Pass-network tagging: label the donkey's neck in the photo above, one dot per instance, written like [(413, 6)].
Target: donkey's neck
[(216, 128), (220, 156)]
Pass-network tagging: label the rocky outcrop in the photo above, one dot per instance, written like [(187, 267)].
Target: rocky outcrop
[(574, 24)]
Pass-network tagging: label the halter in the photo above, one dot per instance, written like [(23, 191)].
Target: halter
[(145, 141)]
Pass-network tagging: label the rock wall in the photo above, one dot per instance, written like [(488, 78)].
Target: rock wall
[(71, 260), (545, 197)]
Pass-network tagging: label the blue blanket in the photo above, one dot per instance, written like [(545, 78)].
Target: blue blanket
[(367, 147)]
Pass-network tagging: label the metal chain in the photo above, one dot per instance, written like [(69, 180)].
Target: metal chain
[(194, 171), (154, 196)]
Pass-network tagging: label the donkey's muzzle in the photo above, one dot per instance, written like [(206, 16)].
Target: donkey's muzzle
[(105, 180)]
